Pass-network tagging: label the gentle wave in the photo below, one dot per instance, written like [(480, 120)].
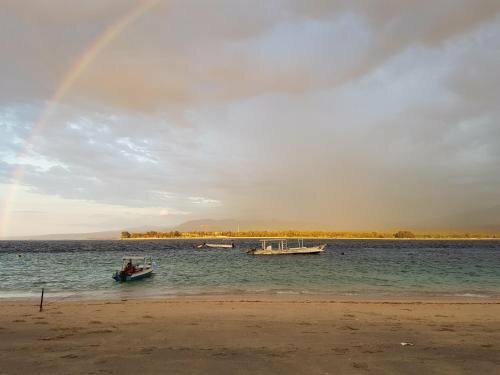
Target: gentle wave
[(83, 269)]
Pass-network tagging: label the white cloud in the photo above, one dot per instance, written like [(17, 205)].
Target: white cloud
[(205, 201)]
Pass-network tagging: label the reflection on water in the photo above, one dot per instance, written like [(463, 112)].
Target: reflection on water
[(80, 269)]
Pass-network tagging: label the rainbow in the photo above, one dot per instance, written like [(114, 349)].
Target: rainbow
[(81, 63)]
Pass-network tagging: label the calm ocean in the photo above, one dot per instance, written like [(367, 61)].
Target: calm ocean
[(83, 269)]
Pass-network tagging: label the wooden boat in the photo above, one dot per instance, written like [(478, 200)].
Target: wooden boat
[(215, 246), (280, 247), (134, 268)]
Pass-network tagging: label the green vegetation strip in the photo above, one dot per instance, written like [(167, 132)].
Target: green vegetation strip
[(402, 234)]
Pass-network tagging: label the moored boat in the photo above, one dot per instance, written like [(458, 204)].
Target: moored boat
[(280, 247), (134, 268), (215, 246)]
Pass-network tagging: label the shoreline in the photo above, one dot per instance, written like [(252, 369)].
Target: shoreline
[(312, 238), (258, 238), (260, 297)]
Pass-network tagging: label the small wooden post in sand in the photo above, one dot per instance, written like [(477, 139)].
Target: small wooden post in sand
[(41, 301)]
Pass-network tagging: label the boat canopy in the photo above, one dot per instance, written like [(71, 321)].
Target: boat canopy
[(280, 242)]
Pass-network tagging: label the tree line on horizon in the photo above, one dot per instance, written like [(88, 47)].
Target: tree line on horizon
[(402, 234)]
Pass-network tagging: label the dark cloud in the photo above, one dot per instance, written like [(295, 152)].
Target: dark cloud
[(181, 55)]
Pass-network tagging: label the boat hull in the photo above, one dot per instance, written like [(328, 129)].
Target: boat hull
[(215, 246), (289, 251), (135, 276)]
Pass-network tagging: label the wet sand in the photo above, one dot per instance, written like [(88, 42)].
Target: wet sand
[(250, 335)]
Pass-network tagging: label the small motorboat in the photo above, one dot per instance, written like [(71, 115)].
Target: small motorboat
[(134, 268), (280, 247), (215, 245)]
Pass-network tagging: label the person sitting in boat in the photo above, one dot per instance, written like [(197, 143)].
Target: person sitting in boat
[(129, 268)]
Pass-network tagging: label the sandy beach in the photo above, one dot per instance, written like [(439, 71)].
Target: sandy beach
[(250, 335)]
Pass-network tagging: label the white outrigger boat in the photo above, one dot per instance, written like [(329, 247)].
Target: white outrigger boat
[(215, 245), (280, 247), (134, 268)]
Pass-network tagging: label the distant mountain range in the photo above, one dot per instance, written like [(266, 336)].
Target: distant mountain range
[(107, 235), (479, 221), (104, 235), (209, 225)]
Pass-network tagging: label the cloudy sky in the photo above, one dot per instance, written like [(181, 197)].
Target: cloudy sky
[(345, 114)]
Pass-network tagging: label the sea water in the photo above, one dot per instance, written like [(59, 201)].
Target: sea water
[(385, 268)]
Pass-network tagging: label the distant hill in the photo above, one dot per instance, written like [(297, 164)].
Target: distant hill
[(107, 235), (104, 235), (485, 220), (212, 225)]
